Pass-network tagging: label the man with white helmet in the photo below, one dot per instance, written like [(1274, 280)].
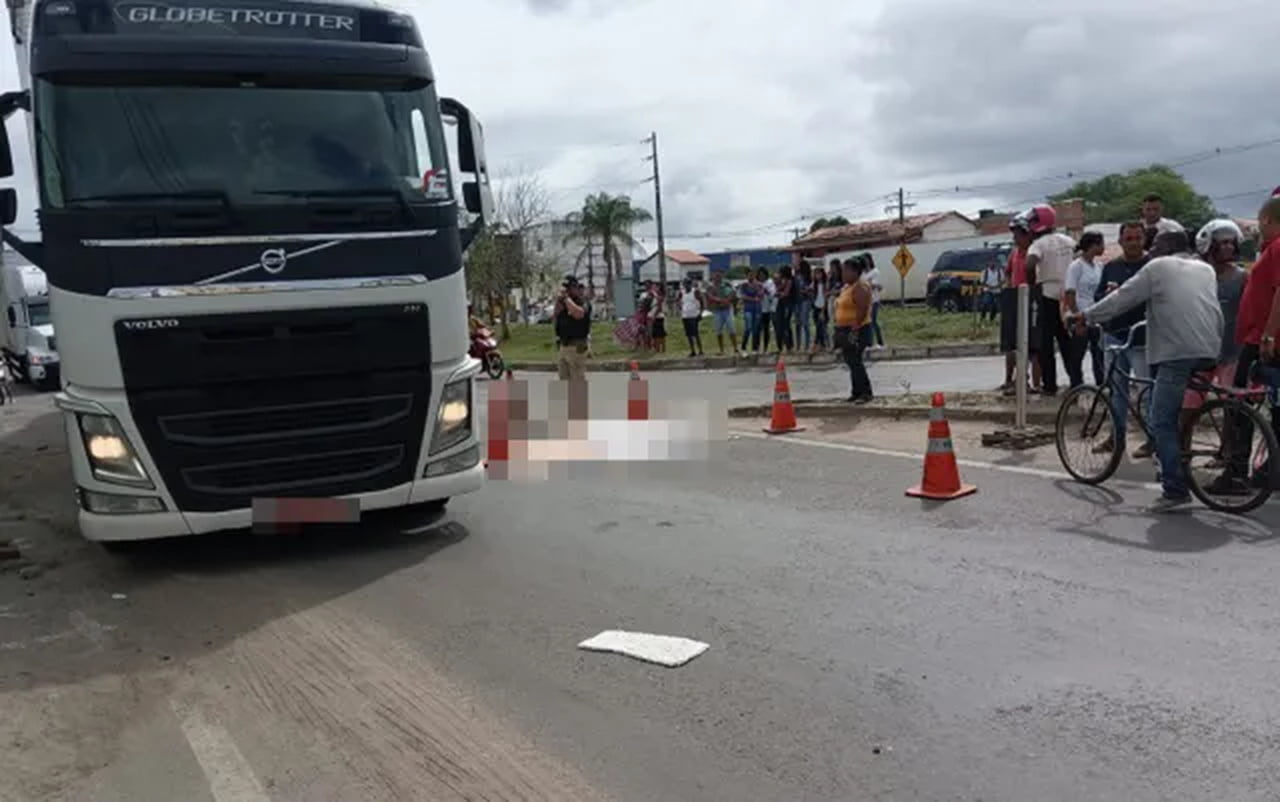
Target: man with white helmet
[(1218, 243)]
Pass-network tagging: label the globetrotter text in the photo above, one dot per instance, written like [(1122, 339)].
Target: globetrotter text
[(238, 16)]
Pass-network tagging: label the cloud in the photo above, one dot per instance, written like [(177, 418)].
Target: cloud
[(965, 96), (768, 112)]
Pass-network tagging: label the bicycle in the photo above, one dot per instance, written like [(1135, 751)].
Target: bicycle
[(1241, 484)]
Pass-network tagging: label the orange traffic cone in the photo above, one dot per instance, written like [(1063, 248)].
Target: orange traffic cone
[(783, 420), (637, 395), (941, 473)]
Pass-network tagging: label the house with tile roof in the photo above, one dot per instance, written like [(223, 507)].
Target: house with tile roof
[(868, 235), (681, 264)]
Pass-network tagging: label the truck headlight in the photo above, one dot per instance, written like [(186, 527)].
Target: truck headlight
[(453, 417), (111, 456)]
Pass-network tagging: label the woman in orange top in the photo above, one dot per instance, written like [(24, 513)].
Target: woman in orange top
[(852, 334)]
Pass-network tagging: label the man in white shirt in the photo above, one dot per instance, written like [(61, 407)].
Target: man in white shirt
[(1154, 221), (1048, 258)]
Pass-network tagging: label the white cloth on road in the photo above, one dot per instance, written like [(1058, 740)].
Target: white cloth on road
[(663, 650)]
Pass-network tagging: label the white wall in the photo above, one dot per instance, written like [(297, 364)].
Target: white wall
[(949, 227), (546, 244), (675, 272), (926, 254)]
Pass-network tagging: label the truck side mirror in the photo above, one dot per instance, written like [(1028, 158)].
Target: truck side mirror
[(8, 205), (6, 155), (477, 195)]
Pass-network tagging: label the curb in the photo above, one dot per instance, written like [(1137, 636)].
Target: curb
[(840, 409), (891, 354)]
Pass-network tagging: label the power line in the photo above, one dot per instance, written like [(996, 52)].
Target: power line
[(1176, 162)]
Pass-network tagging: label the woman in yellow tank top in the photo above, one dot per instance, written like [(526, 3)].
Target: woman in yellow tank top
[(852, 316)]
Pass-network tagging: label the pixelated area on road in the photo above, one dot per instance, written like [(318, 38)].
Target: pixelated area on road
[(579, 429)]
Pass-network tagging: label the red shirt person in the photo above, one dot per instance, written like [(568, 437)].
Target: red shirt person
[(1258, 319)]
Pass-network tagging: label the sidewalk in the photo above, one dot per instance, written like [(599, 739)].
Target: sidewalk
[(767, 361), (960, 406)]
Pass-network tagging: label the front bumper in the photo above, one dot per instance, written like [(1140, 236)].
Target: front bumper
[(151, 526)]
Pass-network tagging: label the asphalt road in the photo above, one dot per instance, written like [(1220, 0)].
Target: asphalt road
[(1038, 641)]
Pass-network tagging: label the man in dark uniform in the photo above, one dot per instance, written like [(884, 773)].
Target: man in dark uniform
[(573, 330)]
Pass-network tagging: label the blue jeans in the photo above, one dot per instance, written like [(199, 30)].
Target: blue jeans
[(875, 324), (723, 319), (804, 319), (1166, 402), (750, 327), (1130, 360)]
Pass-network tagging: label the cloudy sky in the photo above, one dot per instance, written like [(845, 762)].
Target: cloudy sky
[(769, 113)]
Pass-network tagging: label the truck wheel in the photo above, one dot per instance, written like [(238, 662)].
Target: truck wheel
[(950, 303), (123, 548), (493, 365)]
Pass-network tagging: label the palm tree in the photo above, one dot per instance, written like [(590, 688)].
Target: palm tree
[(606, 220)]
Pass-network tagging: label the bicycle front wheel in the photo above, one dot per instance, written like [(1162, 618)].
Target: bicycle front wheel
[(1229, 456), (1085, 432)]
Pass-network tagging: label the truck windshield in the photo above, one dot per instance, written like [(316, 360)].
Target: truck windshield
[(245, 143), (38, 311)]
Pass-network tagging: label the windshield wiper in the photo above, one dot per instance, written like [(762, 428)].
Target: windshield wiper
[(215, 195)]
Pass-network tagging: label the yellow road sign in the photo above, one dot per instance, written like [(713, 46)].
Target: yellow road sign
[(904, 261)]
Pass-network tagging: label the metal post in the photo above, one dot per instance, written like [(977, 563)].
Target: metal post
[(657, 213), (902, 226), (1020, 375)]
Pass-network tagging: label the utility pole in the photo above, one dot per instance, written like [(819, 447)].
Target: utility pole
[(657, 211), (796, 233), (902, 207)]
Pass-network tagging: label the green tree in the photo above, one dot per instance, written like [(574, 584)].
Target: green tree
[(828, 222), (606, 220), (1118, 197), (494, 265)]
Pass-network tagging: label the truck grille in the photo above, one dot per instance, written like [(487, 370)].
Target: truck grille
[(289, 474), (309, 403)]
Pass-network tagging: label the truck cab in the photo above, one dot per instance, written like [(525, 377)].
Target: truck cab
[(27, 343), (254, 240)]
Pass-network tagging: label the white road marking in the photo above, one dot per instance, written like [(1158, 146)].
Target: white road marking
[(231, 778), (965, 463), (664, 650)]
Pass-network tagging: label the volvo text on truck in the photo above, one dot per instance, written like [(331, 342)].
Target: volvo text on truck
[(254, 255)]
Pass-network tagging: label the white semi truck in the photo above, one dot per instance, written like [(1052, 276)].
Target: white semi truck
[(27, 344), (254, 254)]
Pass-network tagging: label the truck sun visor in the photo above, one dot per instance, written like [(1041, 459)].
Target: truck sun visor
[(239, 18)]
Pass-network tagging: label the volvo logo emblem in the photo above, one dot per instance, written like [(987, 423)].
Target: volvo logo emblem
[(273, 260)]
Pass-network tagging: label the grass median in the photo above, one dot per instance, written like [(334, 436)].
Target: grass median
[(910, 326)]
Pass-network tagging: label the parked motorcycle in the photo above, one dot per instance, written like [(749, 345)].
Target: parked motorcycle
[(484, 346)]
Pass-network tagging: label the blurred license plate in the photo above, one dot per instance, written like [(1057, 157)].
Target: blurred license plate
[(271, 512)]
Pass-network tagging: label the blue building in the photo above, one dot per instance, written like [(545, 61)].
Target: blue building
[(768, 258)]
